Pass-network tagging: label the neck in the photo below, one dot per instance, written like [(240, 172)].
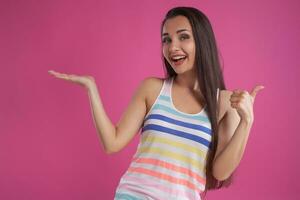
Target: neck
[(189, 82)]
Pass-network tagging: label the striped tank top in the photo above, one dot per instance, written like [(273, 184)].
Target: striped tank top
[(170, 159)]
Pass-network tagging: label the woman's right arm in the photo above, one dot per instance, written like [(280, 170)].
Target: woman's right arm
[(105, 128), (115, 138)]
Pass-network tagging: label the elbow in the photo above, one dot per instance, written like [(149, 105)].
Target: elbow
[(219, 175), (111, 150)]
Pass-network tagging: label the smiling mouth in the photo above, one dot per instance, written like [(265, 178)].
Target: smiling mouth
[(178, 61)]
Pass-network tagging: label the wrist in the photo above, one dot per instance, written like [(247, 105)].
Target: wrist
[(91, 85), (246, 121)]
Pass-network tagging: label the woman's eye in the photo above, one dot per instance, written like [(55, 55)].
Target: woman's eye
[(165, 40), (184, 37)]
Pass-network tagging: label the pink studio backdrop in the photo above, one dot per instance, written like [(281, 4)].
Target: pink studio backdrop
[(49, 148)]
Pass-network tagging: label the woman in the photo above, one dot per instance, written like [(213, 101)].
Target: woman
[(194, 131)]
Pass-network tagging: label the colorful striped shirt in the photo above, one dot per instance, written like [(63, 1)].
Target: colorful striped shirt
[(170, 159)]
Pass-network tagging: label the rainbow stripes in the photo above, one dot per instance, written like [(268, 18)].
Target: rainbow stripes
[(170, 160)]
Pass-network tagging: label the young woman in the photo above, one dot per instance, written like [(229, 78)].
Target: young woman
[(194, 131)]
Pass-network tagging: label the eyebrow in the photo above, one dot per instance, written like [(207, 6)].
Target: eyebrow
[(180, 30)]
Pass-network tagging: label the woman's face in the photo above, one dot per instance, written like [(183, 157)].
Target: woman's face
[(178, 43)]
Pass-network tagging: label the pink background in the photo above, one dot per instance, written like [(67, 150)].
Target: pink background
[(49, 148)]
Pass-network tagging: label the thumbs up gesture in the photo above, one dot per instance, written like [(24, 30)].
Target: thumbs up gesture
[(243, 102)]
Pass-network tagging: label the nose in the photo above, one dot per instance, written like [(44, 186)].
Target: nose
[(174, 45)]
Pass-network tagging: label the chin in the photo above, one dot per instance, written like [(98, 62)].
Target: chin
[(182, 70)]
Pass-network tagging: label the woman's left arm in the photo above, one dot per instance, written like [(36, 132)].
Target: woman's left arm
[(234, 129)]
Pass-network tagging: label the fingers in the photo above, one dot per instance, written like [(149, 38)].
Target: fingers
[(237, 96), (238, 92), (234, 99), (56, 73), (60, 75)]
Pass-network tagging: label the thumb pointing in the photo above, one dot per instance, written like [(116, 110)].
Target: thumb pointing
[(256, 89)]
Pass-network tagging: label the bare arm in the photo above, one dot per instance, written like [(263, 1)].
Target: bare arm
[(115, 138), (233, 135), (105, 128)]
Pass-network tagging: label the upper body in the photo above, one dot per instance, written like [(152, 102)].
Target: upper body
[(174, 142), (179, 52), (144, 97)]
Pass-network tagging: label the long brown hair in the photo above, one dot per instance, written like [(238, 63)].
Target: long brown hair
[(210, 77)]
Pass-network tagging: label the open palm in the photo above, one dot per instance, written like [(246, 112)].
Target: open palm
[(81, 80)]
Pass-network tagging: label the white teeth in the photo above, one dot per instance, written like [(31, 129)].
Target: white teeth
[(178, 57), (175, 58)]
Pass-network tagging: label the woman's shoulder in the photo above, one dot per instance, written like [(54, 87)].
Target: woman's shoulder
[(154, 80), (151, 88), (152, 84)]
